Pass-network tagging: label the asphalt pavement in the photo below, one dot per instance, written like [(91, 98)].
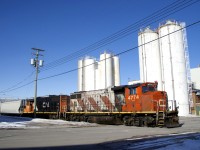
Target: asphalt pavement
[(96, 137)]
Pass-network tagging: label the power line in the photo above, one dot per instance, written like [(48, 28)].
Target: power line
[(17, 84), (18, 87), (166, 11), (72, 70), (197, 22), (158, 15)]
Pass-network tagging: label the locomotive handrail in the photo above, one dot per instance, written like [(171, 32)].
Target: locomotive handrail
[(161, 100), (173, 104), (157, 111), (163, 107)]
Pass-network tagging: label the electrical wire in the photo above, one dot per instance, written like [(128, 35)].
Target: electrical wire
[(197, 22), (166, 11), (17, 84), (158, 15), (72, 70), (19, 87)]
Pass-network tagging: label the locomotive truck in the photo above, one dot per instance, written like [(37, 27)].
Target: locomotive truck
[(132, 105)]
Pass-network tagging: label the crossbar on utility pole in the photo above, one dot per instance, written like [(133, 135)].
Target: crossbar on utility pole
[(35, 63)]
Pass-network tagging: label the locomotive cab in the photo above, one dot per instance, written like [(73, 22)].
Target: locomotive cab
[(146, 106), (141, 97)]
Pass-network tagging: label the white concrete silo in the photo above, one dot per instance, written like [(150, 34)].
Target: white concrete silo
[(174, 75), (149, 57), (106, 71), (116, 72), (80, 75), (97, 76), (86, 74)]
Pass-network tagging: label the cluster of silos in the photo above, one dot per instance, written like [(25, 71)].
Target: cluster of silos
[(95, 75), (162, 59)]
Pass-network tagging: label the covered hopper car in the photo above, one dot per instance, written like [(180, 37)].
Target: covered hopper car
[(12, 107), (133, 105)]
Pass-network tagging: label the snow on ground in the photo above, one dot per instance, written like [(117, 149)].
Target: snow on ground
[(8, 122)]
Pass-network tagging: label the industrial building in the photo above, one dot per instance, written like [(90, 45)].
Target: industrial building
[(195, 77), (95, 75), (163, 57)]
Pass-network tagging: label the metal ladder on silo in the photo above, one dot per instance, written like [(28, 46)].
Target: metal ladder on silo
[(187, 61)]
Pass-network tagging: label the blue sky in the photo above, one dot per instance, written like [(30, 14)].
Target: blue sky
[(61, 27)]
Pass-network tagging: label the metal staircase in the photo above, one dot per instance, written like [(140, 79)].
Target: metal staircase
[(161, 120), (161, 113)]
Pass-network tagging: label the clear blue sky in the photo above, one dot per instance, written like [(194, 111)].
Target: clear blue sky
[(61, 27)]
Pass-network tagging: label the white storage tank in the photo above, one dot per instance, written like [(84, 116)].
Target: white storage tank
[(106, 72), (149, 57), (116, 72), (97, 76), (80, 75), (86, 74), (10, 107), (174, 75)]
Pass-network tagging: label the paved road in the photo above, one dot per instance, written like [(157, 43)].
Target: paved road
[(169, 142), (99, 137)]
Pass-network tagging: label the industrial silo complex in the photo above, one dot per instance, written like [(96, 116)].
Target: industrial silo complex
[(149, 56), (86, 74), (95, 75), (106, 71), (163, 58)]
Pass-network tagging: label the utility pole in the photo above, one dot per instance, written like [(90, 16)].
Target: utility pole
[(36, 63)]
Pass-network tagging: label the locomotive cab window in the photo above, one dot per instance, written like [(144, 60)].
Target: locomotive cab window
[(132, 91), (151, 88), (147, 89), (144, 89)]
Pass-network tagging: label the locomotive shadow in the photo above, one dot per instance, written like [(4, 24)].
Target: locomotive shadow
[(75, 147)]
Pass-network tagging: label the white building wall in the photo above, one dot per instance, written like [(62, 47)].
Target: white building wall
[(195, 77)]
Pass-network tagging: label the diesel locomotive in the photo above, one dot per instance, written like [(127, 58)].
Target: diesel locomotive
[(132, 105)]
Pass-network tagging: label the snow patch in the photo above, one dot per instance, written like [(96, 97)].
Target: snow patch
[(8, 122)]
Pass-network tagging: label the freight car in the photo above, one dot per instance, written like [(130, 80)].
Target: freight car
[(12, 107), (133, 105)]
